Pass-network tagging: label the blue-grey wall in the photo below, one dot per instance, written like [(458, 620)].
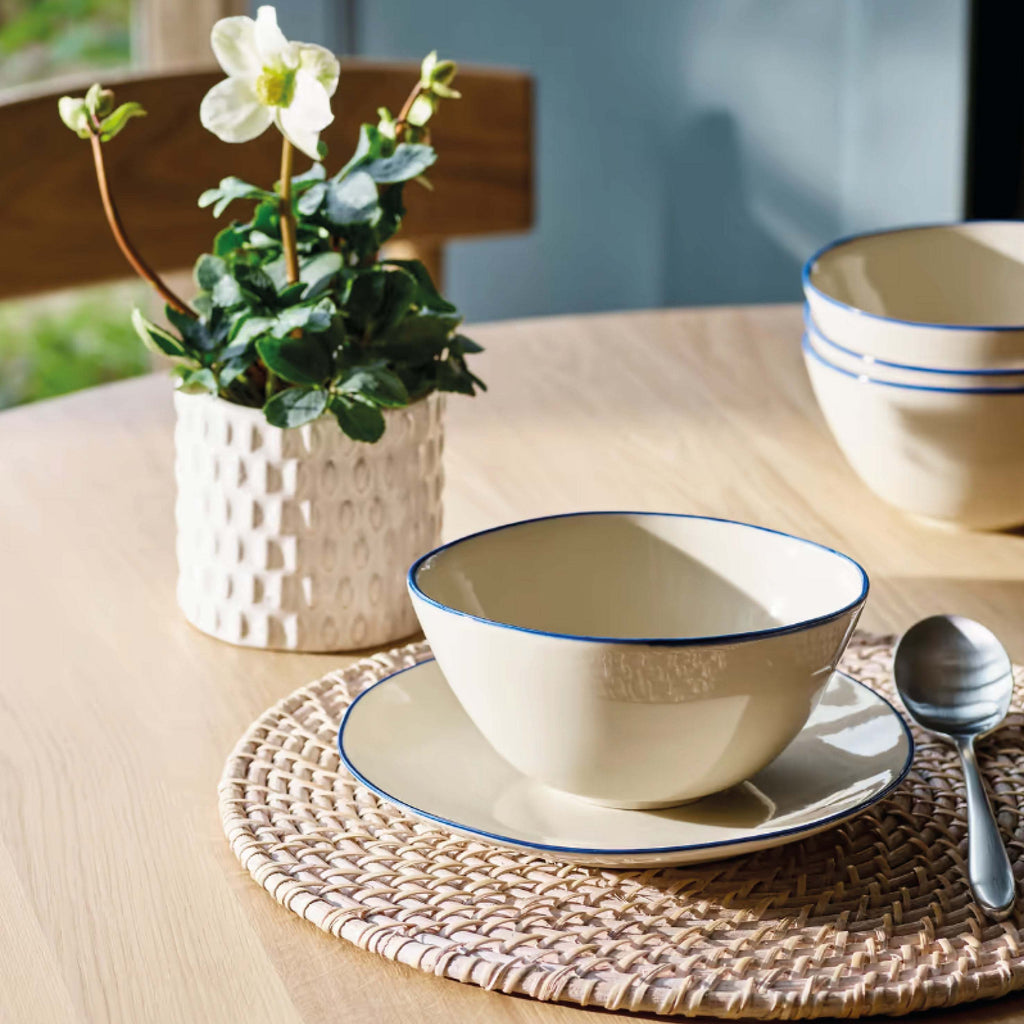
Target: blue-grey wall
[(694, 151)]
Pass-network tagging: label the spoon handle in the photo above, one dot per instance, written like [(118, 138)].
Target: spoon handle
[(988, 865)]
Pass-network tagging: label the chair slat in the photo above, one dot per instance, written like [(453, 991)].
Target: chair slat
[(51, 223)]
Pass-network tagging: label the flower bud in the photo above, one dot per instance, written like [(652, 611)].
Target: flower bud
[(386, 125), (99, 101), (74, 113), (427, 69), (421, 110), (444, 72), (436, 77)]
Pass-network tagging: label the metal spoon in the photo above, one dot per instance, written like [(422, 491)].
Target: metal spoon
[(956, 680)]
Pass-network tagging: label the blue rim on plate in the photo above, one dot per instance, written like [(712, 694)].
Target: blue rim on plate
[(691, 641), (805, 277), (819, 825), (810, 327), (866, 378)]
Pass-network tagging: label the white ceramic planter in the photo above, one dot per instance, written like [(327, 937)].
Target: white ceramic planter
[(300, 539)]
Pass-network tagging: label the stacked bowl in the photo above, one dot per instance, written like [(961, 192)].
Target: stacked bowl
[(914, 343)]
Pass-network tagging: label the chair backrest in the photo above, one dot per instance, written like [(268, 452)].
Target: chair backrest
[(51, 223)]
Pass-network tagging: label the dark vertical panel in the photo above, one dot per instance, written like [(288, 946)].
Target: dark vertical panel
[(995, 141), (350, 27)]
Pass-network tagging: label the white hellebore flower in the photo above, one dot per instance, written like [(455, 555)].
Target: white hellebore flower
[(270, 80)]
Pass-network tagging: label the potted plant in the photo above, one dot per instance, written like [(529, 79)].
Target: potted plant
[(310, 371)]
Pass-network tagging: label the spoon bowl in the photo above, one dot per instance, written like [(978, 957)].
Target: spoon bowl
[(954, 676), (956, 680)]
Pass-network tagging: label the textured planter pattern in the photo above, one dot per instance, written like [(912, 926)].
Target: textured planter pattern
[(300, 539)]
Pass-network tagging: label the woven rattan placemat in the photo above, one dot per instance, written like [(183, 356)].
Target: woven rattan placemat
[(872, 917)]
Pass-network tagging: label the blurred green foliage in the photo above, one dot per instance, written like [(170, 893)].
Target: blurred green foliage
[(41, 38), (56, 345)]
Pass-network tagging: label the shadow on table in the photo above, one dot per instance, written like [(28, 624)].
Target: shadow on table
[(998, 603)]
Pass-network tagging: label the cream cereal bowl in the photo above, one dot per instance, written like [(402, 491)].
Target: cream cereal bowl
[(847, 359), (943, 296), (637, 659), (955, 455)]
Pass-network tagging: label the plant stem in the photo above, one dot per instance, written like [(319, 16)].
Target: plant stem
[(139, 265), (287, 216), (402, 121)]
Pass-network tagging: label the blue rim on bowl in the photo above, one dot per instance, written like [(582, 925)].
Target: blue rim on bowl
[(832, 819), (805, 277), (866, 378), (692, 641), (813, 329)]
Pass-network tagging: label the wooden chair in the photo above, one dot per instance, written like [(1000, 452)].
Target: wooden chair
[(51, 222)]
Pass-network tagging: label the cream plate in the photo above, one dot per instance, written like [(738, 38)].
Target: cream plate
[(408, 739)]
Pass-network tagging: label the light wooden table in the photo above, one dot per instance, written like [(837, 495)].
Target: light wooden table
[(119, 898)]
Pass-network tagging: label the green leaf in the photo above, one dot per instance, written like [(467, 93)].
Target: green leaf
[(465, 345), (295, 406), (427, 295), (316, 173), (360, 421), (377, 383), (228, 191), (452, 375), (234, 368), (372, 145), (313, 319), (208, 271), (420, 336), (291, 293), (277, 271), (203, 335), (247, 328), (113, 123), (256, 281), (229, 239), (319, 269), (419, 379), (367, 292), (185, 324), (309, 202), (156, 339), (408, 161), (300, 360), (196, 382), (352, 200), (267, 219), (399, 289), (226, 293), (392, 211), (445, 91), (261, 240)]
